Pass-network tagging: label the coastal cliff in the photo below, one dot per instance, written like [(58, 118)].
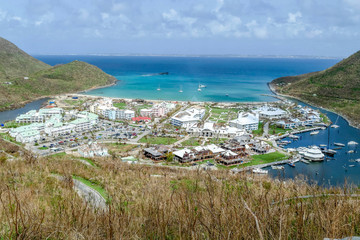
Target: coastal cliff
[(24, 78), (336, 88)]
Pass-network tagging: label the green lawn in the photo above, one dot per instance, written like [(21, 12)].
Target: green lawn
[(74, 102), (158, 140), (94, 186), (216, 140), (273, 129), (260, 130), (43, 148), (120, 105), (191, 142), (13, 124), (265, 158)]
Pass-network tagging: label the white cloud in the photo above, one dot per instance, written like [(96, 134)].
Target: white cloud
[(292, 17)]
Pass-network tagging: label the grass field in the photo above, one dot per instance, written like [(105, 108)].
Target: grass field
[(120, 105), (158, 140), (191, 142), (265, 158)]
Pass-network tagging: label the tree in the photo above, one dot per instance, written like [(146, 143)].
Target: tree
[(169, 157)]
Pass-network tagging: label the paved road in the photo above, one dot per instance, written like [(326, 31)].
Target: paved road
[(90, 195)]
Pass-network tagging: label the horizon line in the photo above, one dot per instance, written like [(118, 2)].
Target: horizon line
[(192, 55)]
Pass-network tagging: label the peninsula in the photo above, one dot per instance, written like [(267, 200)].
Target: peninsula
[(24, 78), (336, 88)]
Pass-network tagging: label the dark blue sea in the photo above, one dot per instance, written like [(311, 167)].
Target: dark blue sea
[(226, 79), (244, 79)]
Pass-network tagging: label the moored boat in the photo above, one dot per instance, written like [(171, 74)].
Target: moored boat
[(277, 167), (339, 144), (313, 154), (314, 133), (259, 171)]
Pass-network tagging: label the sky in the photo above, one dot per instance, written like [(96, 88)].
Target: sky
[(192, 27)]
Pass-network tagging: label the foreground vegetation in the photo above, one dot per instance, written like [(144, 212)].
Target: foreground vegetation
[(149, 202)]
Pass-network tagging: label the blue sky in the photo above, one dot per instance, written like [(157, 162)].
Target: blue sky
[(242, 27)]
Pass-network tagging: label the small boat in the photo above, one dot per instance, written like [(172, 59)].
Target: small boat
[(352, 143), (180, 91), (323, 128), (158, 89), (314, 133), (351, 165), (259, 171), (202, 86), (227, 95), (357, 160), (350, 151), (291, 164), (329, 152), (294, 137), (304, 161), (323, 145), (339, 144), (277, 167), (335, 126), (199, 87)]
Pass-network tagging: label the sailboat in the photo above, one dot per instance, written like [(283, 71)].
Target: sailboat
[(158, 88), (180, 91), (334, 125)]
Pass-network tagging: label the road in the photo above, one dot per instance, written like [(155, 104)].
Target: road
[(90, 195)]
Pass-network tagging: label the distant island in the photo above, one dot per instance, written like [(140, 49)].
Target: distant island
[(336, 88), (24, 78)]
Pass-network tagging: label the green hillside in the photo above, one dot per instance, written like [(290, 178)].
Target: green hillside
[(336, 88), (42, 79), (16, 63)]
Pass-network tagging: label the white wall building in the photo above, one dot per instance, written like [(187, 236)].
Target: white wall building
[(267, 112), (246, 121), (188, 118)]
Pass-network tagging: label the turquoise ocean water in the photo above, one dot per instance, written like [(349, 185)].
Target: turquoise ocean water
[(226, 79)]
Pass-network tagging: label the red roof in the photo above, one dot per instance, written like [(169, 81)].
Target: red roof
[(49, 106), (141, 119)]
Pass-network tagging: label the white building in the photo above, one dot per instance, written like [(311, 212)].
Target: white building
[(188, 118), (267, 112), (246, 121), (209, 130), (59, 129), (28, 128), (33, 116), (92, 150), (28, 136)]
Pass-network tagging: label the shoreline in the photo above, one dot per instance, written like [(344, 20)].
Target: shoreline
[(350, 122)]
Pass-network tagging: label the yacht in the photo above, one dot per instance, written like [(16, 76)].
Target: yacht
[(339, 144), (352, 143), (312, 154), (314, 133), (278, 167), (259, 171)]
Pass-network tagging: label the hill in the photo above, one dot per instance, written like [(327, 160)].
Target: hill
[(336, 88), (16, 63), (42, 79)]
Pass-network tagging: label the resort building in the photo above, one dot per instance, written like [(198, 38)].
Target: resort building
[(246, 121), (28, 136), (209, 130), (59, 129), (33, 116), (266, 112), (14, 132), (188, 118)]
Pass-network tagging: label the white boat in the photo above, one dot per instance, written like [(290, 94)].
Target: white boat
[(277, 167), (351, 165), (158, 88), (313, 154), (323, 128), (352, 143), (259, 171), (323, 145), (180, 91), (335, 126), (339, 144), (357, 160), (351, 151), (294, 137), (199, 89), (314, 133), (202, 86)]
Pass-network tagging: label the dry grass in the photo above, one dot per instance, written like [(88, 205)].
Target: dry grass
[(180, 204)]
